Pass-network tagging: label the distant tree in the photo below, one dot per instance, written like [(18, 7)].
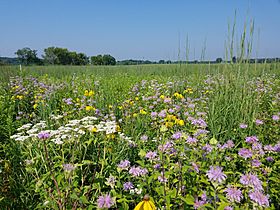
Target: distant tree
[(50, 56), (62, 56), (97, 60), (27, 56), (219, 60), (161, 62), (108, 60)]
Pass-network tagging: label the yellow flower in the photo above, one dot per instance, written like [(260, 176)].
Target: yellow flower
[(120, 107), (35, 106), (110, 106), (89, 108), (136, 98), (146, 204), (162, 97), (94, 130), (86, 93), (142, 111), (169, 124), (91, 93), (19, 97), (180, 122), (135, 115)]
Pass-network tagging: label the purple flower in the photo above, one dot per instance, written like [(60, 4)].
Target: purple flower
[(229, 144), (245, 153), (242, 125), (208, 148), (151, 155), (259, 198), (128, 186), (275, 117), (228, 208), (43, 135), (258, 122), (154, 114), (269, 159), (124, 164), (269, 148), (157, 166), (233, 194), (195, 167), (144, 138), (199, 122), (162, 114), (105, 201), (162, 179), (198, 203), (216, 174), (177, 135), (256, 163), (252, 181), (251, 139), (138, 171), (68, 167), (191, 140)]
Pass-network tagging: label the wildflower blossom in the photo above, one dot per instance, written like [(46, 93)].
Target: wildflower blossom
[(216, 174), (68, 167), (151, 155), (234, 194), (275, 117), (105, 201), (138, 171), (245, 153), (259, 198), (251, 180), (258, 122), (251, 139), (128, 186), (146, 204), (243, 125), (124, 164), (43, 135)]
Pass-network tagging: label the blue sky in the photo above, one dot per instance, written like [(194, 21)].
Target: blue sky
[(146, 29)]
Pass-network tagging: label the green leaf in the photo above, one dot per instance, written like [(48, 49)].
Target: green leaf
[(83, 199), (142, 153), (189, 199), (222, 206), (213, 141)]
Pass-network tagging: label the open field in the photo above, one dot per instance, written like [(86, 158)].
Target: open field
[(191, 136)]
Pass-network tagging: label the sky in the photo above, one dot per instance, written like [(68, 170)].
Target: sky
[(138, 29)]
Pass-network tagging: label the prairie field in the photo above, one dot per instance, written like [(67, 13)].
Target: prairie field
[(191, 136)]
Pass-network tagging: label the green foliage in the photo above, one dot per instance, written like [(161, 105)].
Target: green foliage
[(27, 56), (103, 60)]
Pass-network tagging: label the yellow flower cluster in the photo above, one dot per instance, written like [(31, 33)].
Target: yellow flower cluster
[(178, 95), (171, 120), (88, 93), (188, 90)]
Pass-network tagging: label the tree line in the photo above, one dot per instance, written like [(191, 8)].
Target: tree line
[(61, 56)]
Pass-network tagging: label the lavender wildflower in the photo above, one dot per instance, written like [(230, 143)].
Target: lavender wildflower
[(128, 186), (243, 125), (234, 194), (43, 135), (245, 153), (105, 201), (124, 164), (259, 198), (216, 174), (151, 155), (252, 181)]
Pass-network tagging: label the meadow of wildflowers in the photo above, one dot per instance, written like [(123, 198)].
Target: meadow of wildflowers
[(164, 137)]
